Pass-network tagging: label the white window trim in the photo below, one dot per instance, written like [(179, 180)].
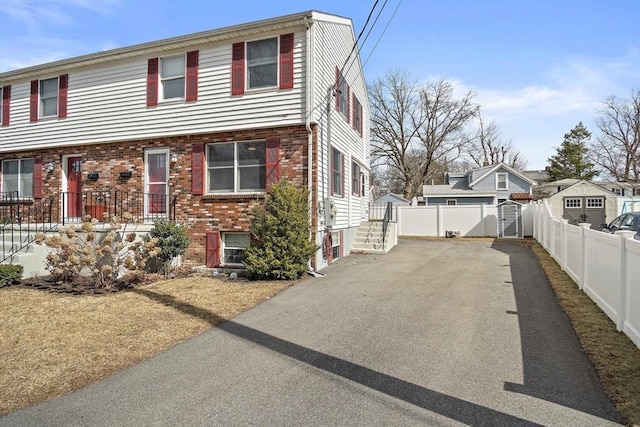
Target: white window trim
[(224, 247), (161, 80), (506, 180), (332, 181), (247, 88), (2, 181), (40, 99), (599, 205), (236, 176), (335, 243)]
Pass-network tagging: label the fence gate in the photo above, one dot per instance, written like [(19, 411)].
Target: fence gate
[(509, 219), (584, 209)]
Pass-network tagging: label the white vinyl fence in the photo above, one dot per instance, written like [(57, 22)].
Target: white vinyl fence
[(469, 220), (605, 266)]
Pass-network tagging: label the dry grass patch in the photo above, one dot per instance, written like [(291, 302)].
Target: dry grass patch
[(614, 355), (52, 344)]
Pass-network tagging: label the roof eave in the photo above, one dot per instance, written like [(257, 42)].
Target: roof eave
[(155, 47)]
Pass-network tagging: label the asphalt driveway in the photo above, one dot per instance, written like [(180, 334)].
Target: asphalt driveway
[(433, 333)]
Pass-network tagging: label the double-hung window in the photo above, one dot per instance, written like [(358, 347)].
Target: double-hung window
[(172, 77), (502, 181), (357, 115), (262, 63), (336, 172), (17, 176), (355, 179), (233, 247), (342, 94), (49, 97), (236, 167)]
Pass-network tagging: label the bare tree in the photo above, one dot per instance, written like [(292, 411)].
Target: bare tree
[(486, 146), (414, 129), (617, 147)]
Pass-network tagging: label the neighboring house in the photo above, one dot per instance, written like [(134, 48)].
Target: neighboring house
[(586, 202), (394, 198), (550, 188), (378, 207), (489, 185), (196, 128), (624, 189)]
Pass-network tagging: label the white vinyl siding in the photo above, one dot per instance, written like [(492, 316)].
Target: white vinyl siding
[(109, 104)]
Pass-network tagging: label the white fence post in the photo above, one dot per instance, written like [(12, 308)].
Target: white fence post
[(440, 221), (583, 254), (622, 301), (563, 242)]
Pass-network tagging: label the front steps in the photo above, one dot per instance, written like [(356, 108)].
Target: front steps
[(368, 238)]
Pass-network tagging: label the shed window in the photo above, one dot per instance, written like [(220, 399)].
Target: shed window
[(594, 203), (573, 203)]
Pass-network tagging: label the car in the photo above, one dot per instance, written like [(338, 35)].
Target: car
[(629, 221)]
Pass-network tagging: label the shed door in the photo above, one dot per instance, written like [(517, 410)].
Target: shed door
[(509, 220), (584, 209)]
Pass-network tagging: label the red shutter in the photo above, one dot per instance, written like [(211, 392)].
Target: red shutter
[(286, 61), (192, 75), (63, 87), (237, 69), (37, 178), (213, 249), (272, 161), (6, 105), (361, 121), (197, 170), (152, 82), (33, 101)]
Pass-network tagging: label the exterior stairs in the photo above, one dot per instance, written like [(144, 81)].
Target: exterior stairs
[(369, 239)]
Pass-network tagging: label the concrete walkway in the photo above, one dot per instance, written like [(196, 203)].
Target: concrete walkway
[(433, 333)]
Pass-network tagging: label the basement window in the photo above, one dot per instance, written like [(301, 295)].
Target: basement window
[(233, 246)]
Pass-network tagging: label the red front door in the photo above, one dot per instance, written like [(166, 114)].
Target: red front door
[(74, 187)]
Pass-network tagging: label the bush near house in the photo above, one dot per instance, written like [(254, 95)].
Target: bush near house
[(280, 243), (171, 238), (10, 274)]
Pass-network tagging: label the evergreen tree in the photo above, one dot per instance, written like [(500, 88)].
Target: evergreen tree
[(280, 245), (571, 160)]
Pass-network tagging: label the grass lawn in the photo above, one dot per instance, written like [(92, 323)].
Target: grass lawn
[(615, 357), (52, 343)]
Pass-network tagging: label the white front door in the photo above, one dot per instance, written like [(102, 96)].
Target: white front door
[(156, 187)]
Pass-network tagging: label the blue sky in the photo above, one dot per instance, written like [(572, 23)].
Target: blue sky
[(538, 67)]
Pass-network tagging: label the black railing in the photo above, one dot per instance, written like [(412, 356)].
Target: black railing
[(377, 211), (22, 218), (388, 215)]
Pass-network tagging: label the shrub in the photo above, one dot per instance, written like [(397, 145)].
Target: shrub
[(172, 239), (280, 245), (10, 274), (79, 250)]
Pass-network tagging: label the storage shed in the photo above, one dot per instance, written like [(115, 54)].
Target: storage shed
[(584, 201)]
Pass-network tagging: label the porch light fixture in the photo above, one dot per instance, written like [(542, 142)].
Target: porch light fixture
[(174, 157), (50, 167)]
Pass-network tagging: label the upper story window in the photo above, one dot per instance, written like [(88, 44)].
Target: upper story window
[(236, 167), (49, 97), (502, 181), (262, 63), (357, 115), (17, 175), (266, 63), (172, 77), (342, 94)]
